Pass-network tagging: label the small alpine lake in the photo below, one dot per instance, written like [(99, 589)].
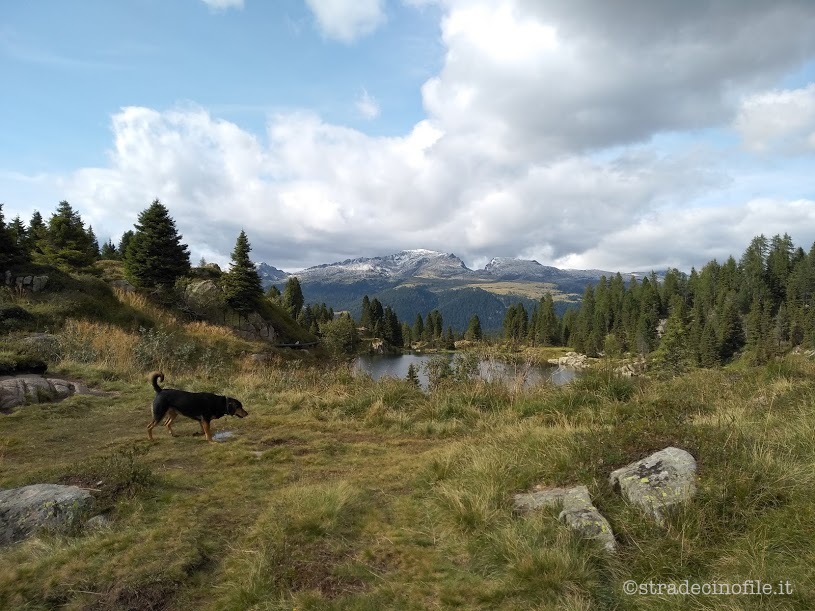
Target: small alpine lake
[(396, 366)]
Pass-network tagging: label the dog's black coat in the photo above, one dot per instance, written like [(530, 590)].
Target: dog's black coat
[(201, 406)]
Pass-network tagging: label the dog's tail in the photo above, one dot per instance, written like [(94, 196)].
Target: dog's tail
[(156, 375)]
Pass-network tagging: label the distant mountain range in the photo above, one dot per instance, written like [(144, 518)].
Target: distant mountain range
[(418, 281)]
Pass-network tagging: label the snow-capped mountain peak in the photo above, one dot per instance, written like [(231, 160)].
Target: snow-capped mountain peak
[(401, 265)]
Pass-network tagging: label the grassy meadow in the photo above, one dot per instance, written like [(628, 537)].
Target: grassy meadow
[(338, 492)]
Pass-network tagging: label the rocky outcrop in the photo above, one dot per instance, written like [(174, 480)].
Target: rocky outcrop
[(208, 271), (632, 368), (205, 290), (41, 507), (26, 389), (577, 512), (123, 285), (571, 359), (664, 479), (31, 283), (203, 297)]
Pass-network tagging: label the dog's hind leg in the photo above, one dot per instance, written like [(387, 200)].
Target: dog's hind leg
[(171, 416), (150, 426)]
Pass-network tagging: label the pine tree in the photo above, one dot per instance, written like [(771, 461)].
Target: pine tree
[(241, 284), (582, 332), (418, 328), (93, 244), (293, 297), (450, 339), (10, 253), (155, 256), (19, 235), (36, 235), (365, 314), (305, 317), (127, 236), (65, 243), (389, 327), (546, 332), (672, 355), (473, 332), (396, 338), (377, 313), (731, 332), (273, 294), (108, 251), (709, 350), (407, 335)]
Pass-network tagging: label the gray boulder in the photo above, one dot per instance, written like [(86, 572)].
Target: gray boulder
[(31, 388), (664, 479), (577, 512), (41, 507), (38, 283), (571, 359)]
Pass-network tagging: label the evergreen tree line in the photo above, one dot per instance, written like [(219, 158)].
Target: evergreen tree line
[(383, 323), (760, 305), (152, 253), (62, 242)]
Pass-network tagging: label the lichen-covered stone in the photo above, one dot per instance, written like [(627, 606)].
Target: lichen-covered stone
[(577, 512), (23, 389), (25, 511), (664, 479)]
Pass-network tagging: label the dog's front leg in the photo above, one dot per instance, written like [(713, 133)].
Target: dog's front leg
[(207, 430)]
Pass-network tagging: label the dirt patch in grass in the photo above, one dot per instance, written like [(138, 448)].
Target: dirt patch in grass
[(318, 572), (148, 597), (275, 442)]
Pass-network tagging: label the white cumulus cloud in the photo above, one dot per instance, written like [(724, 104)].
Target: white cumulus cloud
[(347, 20), (778, 120), (367, 106), (222, 5)]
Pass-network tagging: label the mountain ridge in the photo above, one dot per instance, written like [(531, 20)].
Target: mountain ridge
[(422, 262), (420, 280)]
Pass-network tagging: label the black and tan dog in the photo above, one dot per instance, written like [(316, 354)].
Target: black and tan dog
[(200, 406)]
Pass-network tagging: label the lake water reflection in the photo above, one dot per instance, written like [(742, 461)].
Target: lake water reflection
[(396, 366)]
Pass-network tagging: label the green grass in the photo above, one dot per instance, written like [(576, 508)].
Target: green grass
[(338, 492)]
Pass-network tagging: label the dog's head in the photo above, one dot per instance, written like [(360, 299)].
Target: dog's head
[(235, 408)]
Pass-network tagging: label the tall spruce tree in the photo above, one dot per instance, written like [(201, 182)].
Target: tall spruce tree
[(242, 287), (65, 242), (155, 256), (36, 235), (108, 251), (127, 236), (473, 332), (93, 244), (672, 355), (418, 328), (19, 234), (365, 315), (10, 253), (293, 297), (546, 326)]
